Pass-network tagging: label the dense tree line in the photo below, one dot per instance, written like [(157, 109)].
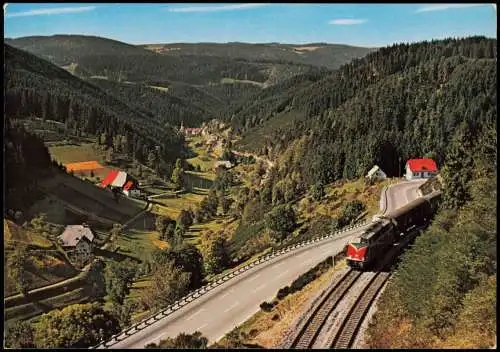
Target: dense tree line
[(35, 87), (88, 56), (67, 49), (75, 326), (27, 160), (444, 290), (197, 96), (402, 101), (327, 55), (165, 108), (271, 101)]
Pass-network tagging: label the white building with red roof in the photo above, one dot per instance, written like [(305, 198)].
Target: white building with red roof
[(420, 168), (122, 181)]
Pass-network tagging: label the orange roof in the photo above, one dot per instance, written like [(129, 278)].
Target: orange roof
[(84, 165)]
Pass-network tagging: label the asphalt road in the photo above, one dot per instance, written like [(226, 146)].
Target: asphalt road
[(402, 193), (219, 311)]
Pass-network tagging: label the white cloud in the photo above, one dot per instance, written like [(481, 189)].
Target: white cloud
[(53, 11), (215, 8), (443, 7), (346, 21)]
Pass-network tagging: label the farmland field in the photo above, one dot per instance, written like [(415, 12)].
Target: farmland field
[(172, 206), (44, 266), (74, 153), (140, 238)]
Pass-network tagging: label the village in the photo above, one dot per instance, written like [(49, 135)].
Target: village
[(78, 239)]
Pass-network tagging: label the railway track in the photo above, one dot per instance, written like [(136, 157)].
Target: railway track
[(350, 327), (338, 299), (313, 326)]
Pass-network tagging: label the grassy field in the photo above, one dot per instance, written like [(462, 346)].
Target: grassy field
[(55, 211), (44, 266), (337, 195), (13, 233), (74, 153), (217, 224), (203, 159), (173, 206)]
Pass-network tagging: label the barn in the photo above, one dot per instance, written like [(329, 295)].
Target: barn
[(122, 181)]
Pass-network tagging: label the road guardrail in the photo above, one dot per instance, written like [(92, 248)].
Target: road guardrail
[(194, 295)]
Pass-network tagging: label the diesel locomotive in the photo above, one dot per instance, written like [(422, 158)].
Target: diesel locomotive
[(362, 252)]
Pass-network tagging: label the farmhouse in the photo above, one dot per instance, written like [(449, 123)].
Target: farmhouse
[(122, 181), (420, 168), (78, 238), (376, 173)]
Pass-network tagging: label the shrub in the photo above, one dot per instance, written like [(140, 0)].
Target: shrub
[(283, 292), (266, 306), (282, 220), (310, 275), (318, 191)]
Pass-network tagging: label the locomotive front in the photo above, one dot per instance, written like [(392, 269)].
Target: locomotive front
[(357, 251)]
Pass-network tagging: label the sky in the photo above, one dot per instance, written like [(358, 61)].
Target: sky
[(369, 25)]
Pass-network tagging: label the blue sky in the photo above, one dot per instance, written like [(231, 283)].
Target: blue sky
[(370, 25)]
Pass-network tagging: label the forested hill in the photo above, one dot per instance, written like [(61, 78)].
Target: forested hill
[(166, 107), (35, 87), (219, 81), (331, 56), (399, 102), (94, 56), (66, 49)]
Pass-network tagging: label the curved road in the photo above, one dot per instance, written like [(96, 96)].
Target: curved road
[(402, 193), (219, 311)]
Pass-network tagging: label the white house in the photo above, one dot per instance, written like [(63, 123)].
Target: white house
[(78, 238), (420, 168), (376, 173)]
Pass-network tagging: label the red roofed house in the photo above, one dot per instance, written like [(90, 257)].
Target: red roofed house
[(121, 180), (420, 168)]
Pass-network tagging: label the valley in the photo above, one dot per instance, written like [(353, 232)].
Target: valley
[(138, 175)]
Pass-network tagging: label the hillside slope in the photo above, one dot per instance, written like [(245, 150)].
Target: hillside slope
[(228, 79), (35, 87), (165, 105), (66, 49), (401, 101), (96, 56), (331, 56)]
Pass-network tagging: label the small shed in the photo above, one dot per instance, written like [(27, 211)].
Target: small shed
[(376, 173)]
